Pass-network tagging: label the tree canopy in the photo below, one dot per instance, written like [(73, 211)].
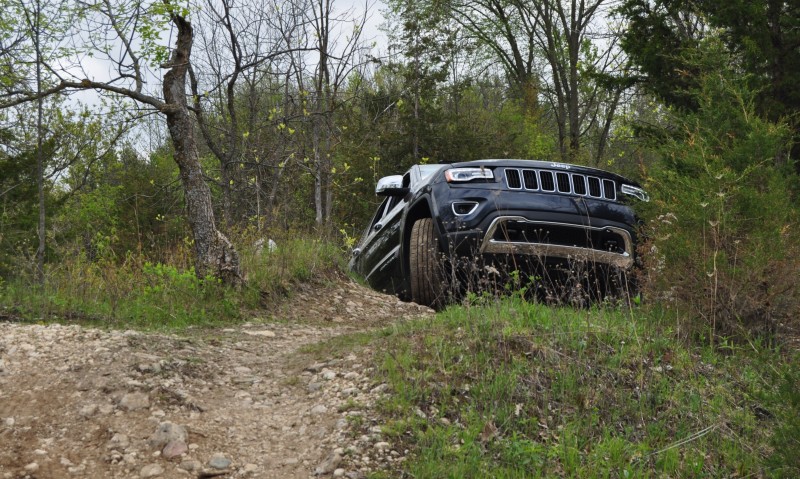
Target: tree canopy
[(233, 118)]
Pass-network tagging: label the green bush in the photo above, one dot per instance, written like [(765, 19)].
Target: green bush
[(723, 225), (296, 258)]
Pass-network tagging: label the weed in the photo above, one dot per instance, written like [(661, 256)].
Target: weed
[(338, 346), (518, 389), (135, 292), (722, 242), (291, 381), (350, 405)]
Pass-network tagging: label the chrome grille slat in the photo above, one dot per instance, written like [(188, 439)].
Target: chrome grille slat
[(560, 182)]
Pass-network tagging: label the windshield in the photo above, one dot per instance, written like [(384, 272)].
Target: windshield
[(427, 170)]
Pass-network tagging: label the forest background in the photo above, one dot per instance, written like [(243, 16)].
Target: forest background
[(223, 123)]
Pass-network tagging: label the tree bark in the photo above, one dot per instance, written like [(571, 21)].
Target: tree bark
[(40, 250), (214, 253)]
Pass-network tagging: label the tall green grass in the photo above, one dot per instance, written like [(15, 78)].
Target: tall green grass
[(138, 293), (294, 260), (515, 389), (132, 294)]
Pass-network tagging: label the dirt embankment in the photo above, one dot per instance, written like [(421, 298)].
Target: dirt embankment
[(244, 401)]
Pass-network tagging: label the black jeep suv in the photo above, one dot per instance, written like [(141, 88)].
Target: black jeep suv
[(438, 222)]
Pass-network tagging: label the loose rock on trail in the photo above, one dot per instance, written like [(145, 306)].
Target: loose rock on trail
[(243, 401)]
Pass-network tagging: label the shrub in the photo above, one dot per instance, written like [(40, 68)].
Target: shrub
[(294, 257), (723, 227)]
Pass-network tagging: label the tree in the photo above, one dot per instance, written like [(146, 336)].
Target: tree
[(127, 35), (337, 42), (215, 253), (555, 51), (70, 145), (31, 36), (722, 220), (763, 37), (427, 43), (43, 139), (236, 77)]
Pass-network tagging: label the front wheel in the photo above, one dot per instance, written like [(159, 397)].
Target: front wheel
[(427, 285)]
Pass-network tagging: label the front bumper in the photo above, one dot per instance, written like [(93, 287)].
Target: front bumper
[(547, 236), (607, 245)]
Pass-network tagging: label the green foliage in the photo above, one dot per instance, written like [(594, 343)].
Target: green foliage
[(133, 294), (94, 216), (125, 203), (515, 389), (154, 19), (18, 216), (127, 290), (786, 402), (656, 36), (760, 37), (722, 227), (765, 34), (72, 139), (294, 259)]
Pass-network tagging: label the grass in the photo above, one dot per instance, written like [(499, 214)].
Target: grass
[(514, 389), (139, 294), (339, 346), (496, 388), (295, 260)]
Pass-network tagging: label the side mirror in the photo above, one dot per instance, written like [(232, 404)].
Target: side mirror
[(391, 186)]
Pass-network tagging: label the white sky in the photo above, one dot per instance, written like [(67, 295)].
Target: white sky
[(98, 69)]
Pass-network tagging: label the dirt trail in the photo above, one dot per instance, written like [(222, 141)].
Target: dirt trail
[(245, 401)]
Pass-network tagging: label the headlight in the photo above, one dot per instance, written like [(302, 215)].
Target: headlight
[(635, 191), (457, 175)]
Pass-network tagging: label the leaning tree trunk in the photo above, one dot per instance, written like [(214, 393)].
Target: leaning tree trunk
[(214, 253)]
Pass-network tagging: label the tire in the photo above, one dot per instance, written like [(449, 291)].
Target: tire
[(427, 282)]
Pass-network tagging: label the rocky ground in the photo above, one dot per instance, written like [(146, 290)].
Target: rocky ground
[(254, 400)]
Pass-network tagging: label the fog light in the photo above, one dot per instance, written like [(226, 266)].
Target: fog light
[(464, 208)]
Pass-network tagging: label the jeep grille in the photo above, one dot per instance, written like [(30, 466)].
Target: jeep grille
[(560, 182)]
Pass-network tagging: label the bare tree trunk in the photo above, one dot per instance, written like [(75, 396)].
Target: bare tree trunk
[(318, 217), (40, 250), (328, 196), (215, 254), (227, 204), (606, 130), (573, 94), (273, 189), (258, 198)]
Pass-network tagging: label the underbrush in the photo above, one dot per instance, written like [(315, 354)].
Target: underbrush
[(272, 269), (721, 238), (516, 389), (135, 292)]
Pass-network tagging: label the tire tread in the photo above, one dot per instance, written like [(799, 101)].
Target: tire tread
[(426, 277)]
